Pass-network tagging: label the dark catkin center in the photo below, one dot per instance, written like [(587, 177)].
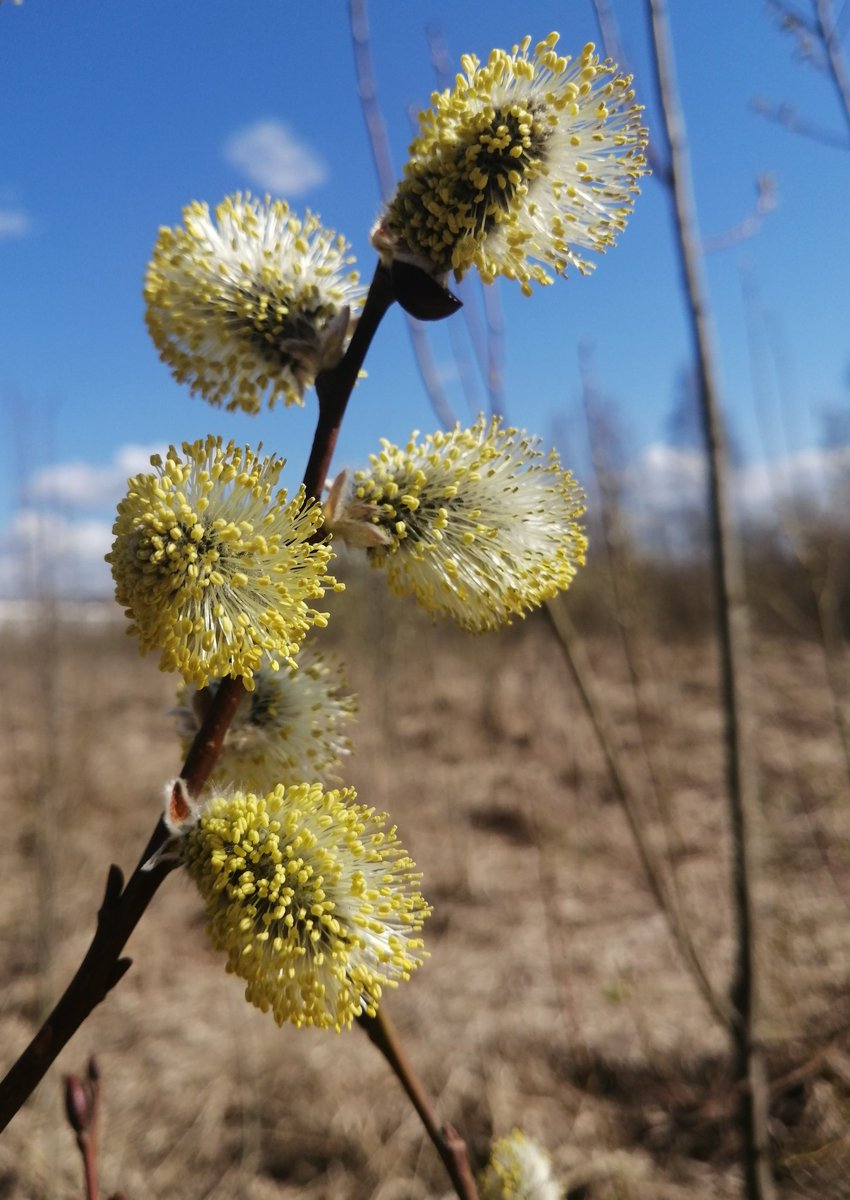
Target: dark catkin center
[(263, 322), (472, 182), (267, 708)]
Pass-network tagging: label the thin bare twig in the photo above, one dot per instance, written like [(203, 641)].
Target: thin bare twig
[(786, 115), (627, 793), (447, 1141), (82, 1108), (790, 17), (495, 347), (836, 63), (827, 632), (732, 631), (379, 143), (489, 349), (819, 44), (614, 49), (818, 576), (750, 224), (623, 593)]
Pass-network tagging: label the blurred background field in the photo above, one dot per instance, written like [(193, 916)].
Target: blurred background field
[(554, 997)]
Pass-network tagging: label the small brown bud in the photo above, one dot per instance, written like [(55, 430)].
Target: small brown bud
[(420, 294), (78, 1106)]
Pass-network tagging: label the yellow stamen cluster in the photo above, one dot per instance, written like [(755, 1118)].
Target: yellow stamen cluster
[(291, 727), (476, 523), (519, 1169), (312, 898), (523, 164), (250, 304), (214, 567)]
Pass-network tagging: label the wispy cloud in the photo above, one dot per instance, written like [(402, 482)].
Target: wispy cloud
[(46, 553), (811, 477), (56, 541), (668, 479), (274, 159), (89, 486), (14, 223)]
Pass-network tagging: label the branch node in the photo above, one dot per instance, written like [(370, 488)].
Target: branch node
[(114, 888), (118, 972)]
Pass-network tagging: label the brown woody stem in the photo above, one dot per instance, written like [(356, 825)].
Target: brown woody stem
[(123, 907), (742, 784), (334, 386), (447, 1141), (120, 912)]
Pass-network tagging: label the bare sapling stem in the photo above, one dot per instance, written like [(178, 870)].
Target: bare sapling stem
[(627, 793), (732, 633), (447, 1141), (123, 906)]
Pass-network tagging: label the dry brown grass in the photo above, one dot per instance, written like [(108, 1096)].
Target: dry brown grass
[(553, 997)]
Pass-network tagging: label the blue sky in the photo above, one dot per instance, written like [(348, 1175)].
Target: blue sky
[(117, 115)]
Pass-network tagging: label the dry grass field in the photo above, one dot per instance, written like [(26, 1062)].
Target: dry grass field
[(553, 997)]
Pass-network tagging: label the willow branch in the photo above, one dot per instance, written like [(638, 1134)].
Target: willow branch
[(333, 389), (119, 914), (447, 1141), (334, 386), (124, 906)]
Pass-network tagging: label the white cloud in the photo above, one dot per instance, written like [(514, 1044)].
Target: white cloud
[(667, 482), (667, 478), (45, 553), (49, 547), (273, 158), (86, 485), (810, 477), (14, 223)]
